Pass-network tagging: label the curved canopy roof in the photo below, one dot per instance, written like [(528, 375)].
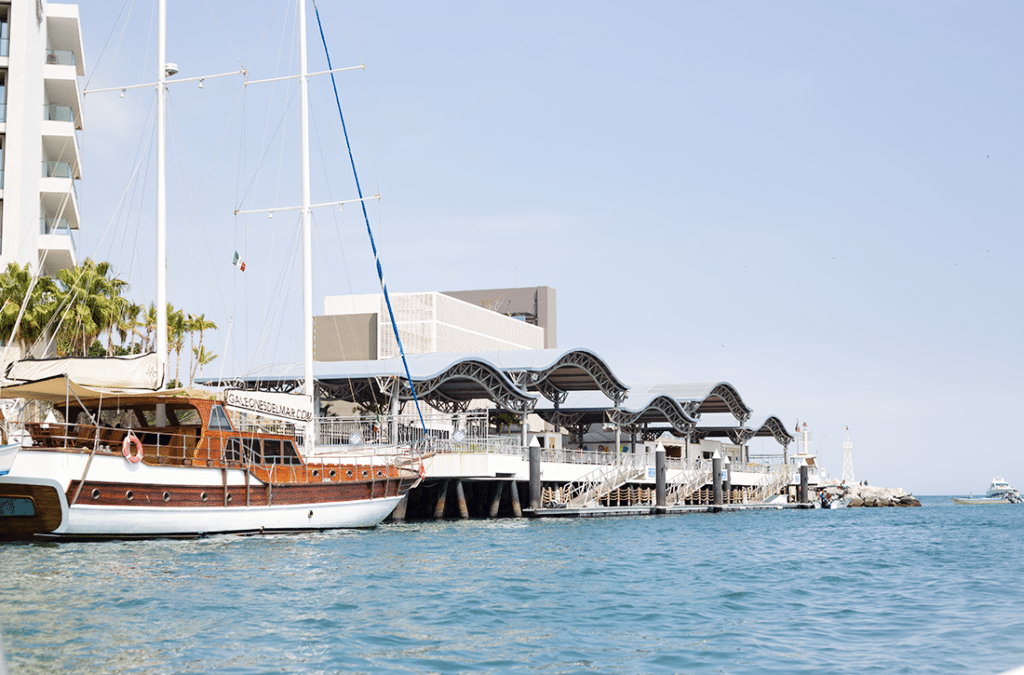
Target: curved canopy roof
[(681, 413), (707, 397), (770, 427), (451, 381)]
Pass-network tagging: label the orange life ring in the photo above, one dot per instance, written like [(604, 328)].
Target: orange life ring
[(130, 440)]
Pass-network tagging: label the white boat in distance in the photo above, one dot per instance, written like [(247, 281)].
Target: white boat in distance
[(999, 492)]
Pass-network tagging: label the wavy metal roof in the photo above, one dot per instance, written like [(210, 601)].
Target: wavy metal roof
[(450, 381)]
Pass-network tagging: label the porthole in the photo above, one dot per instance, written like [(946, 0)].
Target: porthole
[(380, 474), (333, 473), (349, 473), (204, 496), (316, 472), (228, 498), (167, 496), (95, 493), (365, 473), (129, 495)]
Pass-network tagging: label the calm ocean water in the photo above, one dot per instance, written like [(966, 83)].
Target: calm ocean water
[(936, 589)]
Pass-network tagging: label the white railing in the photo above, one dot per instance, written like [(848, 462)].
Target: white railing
[(607, 477), (698, 475), (571, 456), (770, 484)]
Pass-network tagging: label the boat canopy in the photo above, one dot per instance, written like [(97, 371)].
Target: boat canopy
[(60, 388), (139, 372)]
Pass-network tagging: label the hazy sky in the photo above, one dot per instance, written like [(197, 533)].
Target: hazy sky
[(818, 202)]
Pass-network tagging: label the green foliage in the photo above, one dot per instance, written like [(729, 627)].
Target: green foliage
[(81, 304), (15, 284)]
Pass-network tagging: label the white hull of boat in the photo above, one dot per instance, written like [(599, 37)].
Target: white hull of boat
[(82, 519), (980, 501)]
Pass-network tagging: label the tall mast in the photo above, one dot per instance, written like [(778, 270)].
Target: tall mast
[(161, 193), (307, 246)]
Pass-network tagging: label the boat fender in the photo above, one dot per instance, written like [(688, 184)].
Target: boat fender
[(126, 448)]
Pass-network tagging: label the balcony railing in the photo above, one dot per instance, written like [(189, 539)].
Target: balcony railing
[(57, 169), (5, 47), (3, 112), (55, 226), (58, 113), (60, 57)]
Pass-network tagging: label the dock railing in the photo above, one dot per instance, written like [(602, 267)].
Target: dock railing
[(589, 488), (698, 475)]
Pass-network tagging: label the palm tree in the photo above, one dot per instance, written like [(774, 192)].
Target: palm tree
[(15, 284), (177, 326), (198, 323), (203, 357), (89, 304)]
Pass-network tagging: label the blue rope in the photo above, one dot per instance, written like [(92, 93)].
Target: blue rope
[(380, 270)]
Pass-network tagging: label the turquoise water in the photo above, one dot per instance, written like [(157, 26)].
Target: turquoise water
[(935, 589)]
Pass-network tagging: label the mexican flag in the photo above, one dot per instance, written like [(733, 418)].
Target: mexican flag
[(238, 262)]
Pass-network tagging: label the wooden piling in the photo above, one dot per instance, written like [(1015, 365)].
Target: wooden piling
[(534, 477), (804, 496), (398, 515), (517, 508), (660, 469), (439, 507), (496, 501), (716, 479), (460, 496)]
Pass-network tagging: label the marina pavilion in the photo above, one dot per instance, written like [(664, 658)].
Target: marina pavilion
[(462, 395)]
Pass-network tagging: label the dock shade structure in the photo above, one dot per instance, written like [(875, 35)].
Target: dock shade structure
[(771, 427), (707, 397), (578, 412), (512, 380)]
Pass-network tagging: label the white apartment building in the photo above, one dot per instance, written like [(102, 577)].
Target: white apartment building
[(41, 60)]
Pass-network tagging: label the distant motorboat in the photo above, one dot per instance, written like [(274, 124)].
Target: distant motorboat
[(999, 492)]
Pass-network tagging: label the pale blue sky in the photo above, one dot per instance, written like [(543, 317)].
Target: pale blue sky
[(818, 202)]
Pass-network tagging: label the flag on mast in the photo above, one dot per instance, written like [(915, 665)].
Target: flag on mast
[(238, 262)]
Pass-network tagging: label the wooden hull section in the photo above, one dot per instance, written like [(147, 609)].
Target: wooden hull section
[(44, 496)]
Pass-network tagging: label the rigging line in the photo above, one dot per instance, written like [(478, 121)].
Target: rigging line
[(263, 157), (230, 46), (341, 249), (131, 186), (107, 44), (268, 343), (195, 205), (345, 28), (369, 231)]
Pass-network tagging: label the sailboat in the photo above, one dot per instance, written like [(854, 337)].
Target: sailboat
[(130, 458)]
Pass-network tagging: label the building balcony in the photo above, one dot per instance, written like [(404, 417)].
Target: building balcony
[(5, 47), (64, 33), (58, 198), (3, 113), (60, 57), (61, 143), (57, 248), (62, 94)]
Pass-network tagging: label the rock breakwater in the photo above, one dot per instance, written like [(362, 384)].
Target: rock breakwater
[(869, 495)]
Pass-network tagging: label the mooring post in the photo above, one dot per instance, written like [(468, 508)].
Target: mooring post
[(460, 496), (534, 477), (804, 497), (496, 502), (727, 481), (716, 477), (398, 515), (439, 508), (659, 476), (517, 508)]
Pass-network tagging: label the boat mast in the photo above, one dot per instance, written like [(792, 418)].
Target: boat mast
[(307, 246), (161, 194)]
